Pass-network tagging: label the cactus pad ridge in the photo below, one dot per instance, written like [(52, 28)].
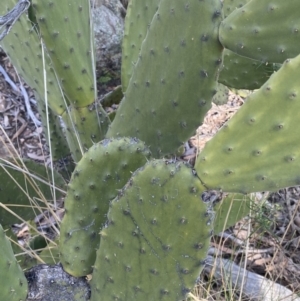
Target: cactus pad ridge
[(103, 170), (174, 78), (258, 149), (251, 31), (156, 240), (231, 5)]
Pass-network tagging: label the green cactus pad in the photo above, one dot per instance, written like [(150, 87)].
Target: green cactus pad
[(138, 18), (23, 47), (101, 172), (264, 30), (230, 210), (66, 31), (157, 237), (175, 77), (84, 127), (21, 202), (259, 148), (231, 5), (243, 73), (221, 97), (14, 285)]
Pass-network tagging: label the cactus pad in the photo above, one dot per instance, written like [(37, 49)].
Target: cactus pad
[(230, 5), (243, 73), (174, 79), (221, 97), (14, 285), (138, 18), (259, 148), (66, 31), (267, 31), (157, 237), (102, 171)]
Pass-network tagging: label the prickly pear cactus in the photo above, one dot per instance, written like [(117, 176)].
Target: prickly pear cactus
[(157, 236), (251, 31), (14, 285), (67, 33), (102, 171), (138, 18), (221, 97), (174, 79), (258, 149)]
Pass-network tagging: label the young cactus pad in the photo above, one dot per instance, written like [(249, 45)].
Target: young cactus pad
[(264, 30), (101, 172), (157, 237), (259, 148), (14, 285), (174, 79), (221, 96)]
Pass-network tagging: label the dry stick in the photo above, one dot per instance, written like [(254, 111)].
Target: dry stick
[(8, 20), (24, 93), (254, 286)]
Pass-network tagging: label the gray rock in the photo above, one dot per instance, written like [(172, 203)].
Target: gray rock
[(108, 18), (52, 283)]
